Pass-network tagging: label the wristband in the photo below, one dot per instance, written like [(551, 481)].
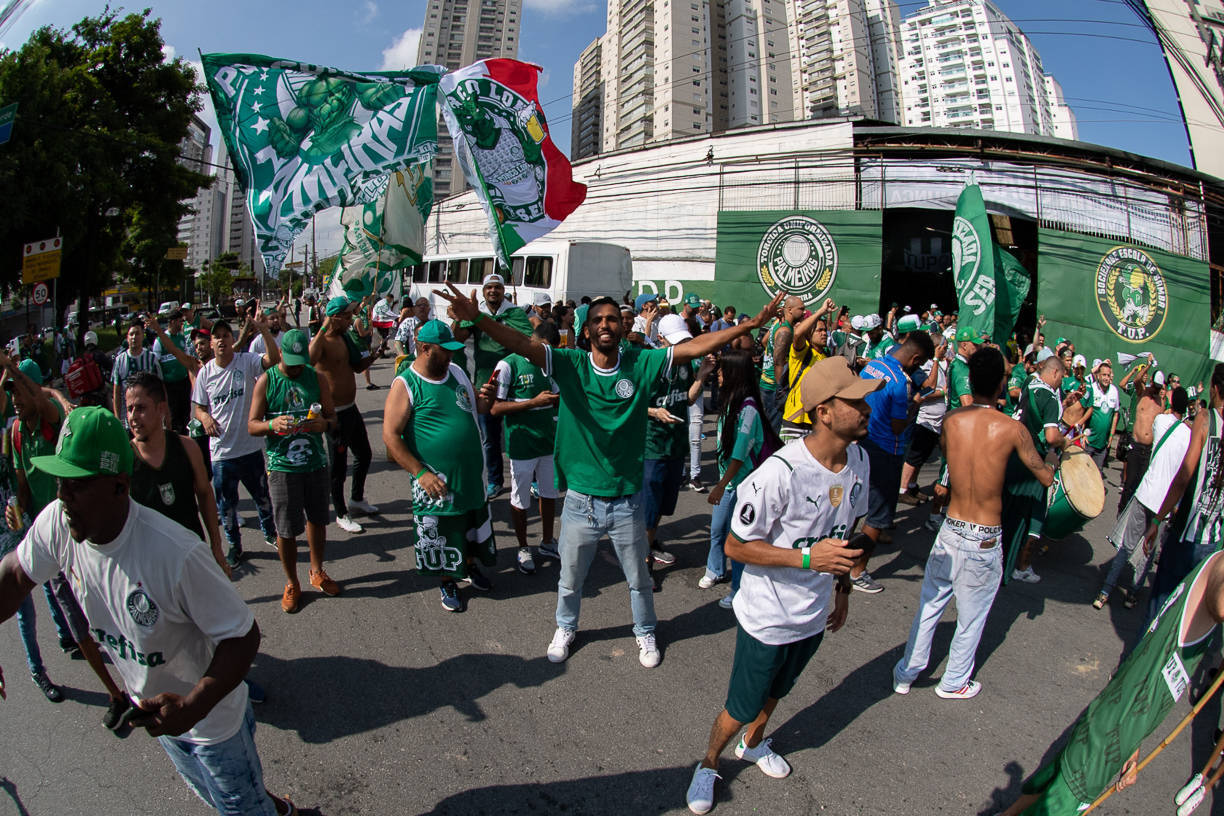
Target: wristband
[(807, 558)]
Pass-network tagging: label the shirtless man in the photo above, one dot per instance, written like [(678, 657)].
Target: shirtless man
[(340, 360), (966, 561), (1149, 407)]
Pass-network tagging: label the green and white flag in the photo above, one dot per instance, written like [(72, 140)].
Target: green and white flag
[(383, 236), (990, 284), (303, 137), (1012, 283)]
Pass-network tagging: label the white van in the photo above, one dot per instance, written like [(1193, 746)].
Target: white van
[(563, 270)]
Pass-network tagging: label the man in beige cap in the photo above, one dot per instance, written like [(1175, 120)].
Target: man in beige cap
[(789, 529)]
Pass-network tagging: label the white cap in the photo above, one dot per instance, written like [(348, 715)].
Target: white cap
[(1027, 350), (493, 277), (673, 329), (871, 322), (1096, 362), (1159, 378), (1044, 354), (542, 299), (186, 306), (1078, 361), (856, 322), (91, 338)]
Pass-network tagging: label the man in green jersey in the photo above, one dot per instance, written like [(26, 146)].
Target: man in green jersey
[(775, 359), (1145, 688), (430, 430), (292, 407), (173, 373), (605, 393), (527, 399), (1103, 420)]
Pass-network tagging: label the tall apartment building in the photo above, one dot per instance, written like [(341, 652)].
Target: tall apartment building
[(200, 229), (585, 123), (457, 33), (232, 219), (965, 64)]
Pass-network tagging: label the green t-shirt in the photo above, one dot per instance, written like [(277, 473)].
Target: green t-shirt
[(958, 382), (749, 437), (877, 351), (172, 369), (442, 433), (1070, 384), (602, 417), (29, 443), (1104, 405), (295, 452), (670, 441), (532, 433), (1042, 410), (488, 351), (767, 356), (1018, 377)]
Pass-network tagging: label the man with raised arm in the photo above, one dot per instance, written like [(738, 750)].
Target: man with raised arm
[(605, 394), (966, 561)]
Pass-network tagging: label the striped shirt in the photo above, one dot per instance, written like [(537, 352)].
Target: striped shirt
[(127, 364)]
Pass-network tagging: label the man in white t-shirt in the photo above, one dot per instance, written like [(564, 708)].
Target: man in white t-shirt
[(222, 398), (180, 636), (789, 529)]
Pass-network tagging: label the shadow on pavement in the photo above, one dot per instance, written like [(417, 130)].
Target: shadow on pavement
[(639, 792), (10, 788)]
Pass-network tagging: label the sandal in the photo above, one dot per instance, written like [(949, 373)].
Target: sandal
[(1101, 600)]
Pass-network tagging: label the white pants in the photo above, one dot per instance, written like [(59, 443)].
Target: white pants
[(523, 472), (696, 419)]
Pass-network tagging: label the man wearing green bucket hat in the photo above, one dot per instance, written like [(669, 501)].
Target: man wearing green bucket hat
[(177, 631)]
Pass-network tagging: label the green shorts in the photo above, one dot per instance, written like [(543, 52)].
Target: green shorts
[(1056, 798), (761, 672), (445, 543)]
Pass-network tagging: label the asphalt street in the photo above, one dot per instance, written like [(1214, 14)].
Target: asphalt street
[(381, 702)]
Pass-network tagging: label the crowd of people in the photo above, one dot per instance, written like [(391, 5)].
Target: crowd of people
[(129, 483)]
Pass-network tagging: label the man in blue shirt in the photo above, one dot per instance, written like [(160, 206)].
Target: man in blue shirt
[(888, 432)]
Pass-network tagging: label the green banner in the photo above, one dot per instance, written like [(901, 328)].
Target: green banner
[(1109, 297), (810, 253)]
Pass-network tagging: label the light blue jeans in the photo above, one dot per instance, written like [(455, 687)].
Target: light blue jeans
[(957, 567), (29, 638), (227, 776), (584, 522), (720, 526)]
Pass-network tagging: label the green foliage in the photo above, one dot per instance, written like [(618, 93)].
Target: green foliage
[(100, 118)]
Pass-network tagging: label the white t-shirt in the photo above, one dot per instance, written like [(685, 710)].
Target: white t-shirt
[(1164, 464), (155, 599), (931, 414), (639, 326), (793, 501), (405, 333), (226, 394)]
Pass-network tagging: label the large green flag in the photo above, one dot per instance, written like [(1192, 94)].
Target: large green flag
[(1011, 288), (973, 262), (303, 137)]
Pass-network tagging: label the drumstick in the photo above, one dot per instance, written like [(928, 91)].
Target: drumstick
[(1207, 695)]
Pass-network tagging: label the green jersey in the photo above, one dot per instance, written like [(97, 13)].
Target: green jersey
[(287, 396), (958, 382), (38, 441), (488, 351), (767, 356), (530, 434), (670, 440), (1105, 404), (1142, 692), (603, 417), (1017, 379), (172, 369), (1070, 384), (1042, 409), (442, 433), (749, 437), (878, 350)]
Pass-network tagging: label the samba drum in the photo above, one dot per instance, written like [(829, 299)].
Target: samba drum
[(1076, 497)]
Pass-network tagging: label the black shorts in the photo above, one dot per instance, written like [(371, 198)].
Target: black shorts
[(923, 443), (298, 498)]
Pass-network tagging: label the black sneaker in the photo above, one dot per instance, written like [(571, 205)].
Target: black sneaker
[(548, 549), (451, 601), (234, 557), (51, 691), (115, 711), (477, 580)]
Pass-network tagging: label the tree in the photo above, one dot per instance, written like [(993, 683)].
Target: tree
[(95, 148), (219, 277)]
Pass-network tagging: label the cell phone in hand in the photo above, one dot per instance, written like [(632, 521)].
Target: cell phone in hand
[(860, 541)]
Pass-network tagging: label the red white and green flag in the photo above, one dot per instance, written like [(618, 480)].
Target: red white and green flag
[(501, 140)]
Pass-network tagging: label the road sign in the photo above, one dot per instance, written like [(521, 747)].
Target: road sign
[(7, 114), (176, 253), (40, 293), (40, 260)]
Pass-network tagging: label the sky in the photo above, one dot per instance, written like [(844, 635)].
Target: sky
[(1112, 72)]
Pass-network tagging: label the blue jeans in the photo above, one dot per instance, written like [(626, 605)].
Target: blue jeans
[(957, 567), (773, 410), (249, 470), (720, 525), (29, 638), (491, 431), (228, 775), (584, 521), (66, 613)]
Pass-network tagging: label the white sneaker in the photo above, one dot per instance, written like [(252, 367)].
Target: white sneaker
[(558, 649), (524, 561), (965, 692), (648, 651), (1026, 575), (708, 580), (701, 789), (362, 505), (900, 686), (770, 762), (348, 525)]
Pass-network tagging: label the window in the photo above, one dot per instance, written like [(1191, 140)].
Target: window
[(456, 271), (538, 271), (478, 268), (437, 271), (419, 273)]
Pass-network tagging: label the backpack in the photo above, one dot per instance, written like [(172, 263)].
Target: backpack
[(83, 376)]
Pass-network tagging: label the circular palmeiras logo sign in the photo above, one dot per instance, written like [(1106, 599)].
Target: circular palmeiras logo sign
[(797, 256), (1131, 294)]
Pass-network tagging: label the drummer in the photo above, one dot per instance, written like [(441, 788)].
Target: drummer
[(1024, 498)]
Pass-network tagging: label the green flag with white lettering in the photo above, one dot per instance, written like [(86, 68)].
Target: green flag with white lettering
[(1012, 283), (303, 137), (973, 262)]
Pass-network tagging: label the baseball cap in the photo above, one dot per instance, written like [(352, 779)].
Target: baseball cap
[(295, 350), (856, 322), (1159, 378), (186, 306), (542, 299), (338, 305), (493, 277), (909, 323), (91, 338), (92, 442), (827, 379), (1044, 354), (199, 332), (218, 325), (270, 310), (871, 322), (673, 329), (31, 370), (968, 334), (1078, 361), (644, 298), (692, 300), (439, 334)]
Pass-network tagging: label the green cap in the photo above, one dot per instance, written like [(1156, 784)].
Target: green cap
[(92, 442), (31, 370), (439, 334), (968, 334), (909, 323), (692, 300), (338, 305), (295, 349), (580, 316)]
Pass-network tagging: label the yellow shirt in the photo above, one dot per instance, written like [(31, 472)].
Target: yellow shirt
[(797, 367)]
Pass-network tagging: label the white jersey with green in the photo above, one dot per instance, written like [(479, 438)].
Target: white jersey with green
[(793, 501), (442, 433), (530, 434), (601, 424)]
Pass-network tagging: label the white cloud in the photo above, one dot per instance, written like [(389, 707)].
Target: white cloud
[(545, 78), (559, 6), (403, 52), (369, 10), (168, 52)]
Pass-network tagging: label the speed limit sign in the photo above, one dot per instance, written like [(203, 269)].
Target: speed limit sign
[(40, 293)]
